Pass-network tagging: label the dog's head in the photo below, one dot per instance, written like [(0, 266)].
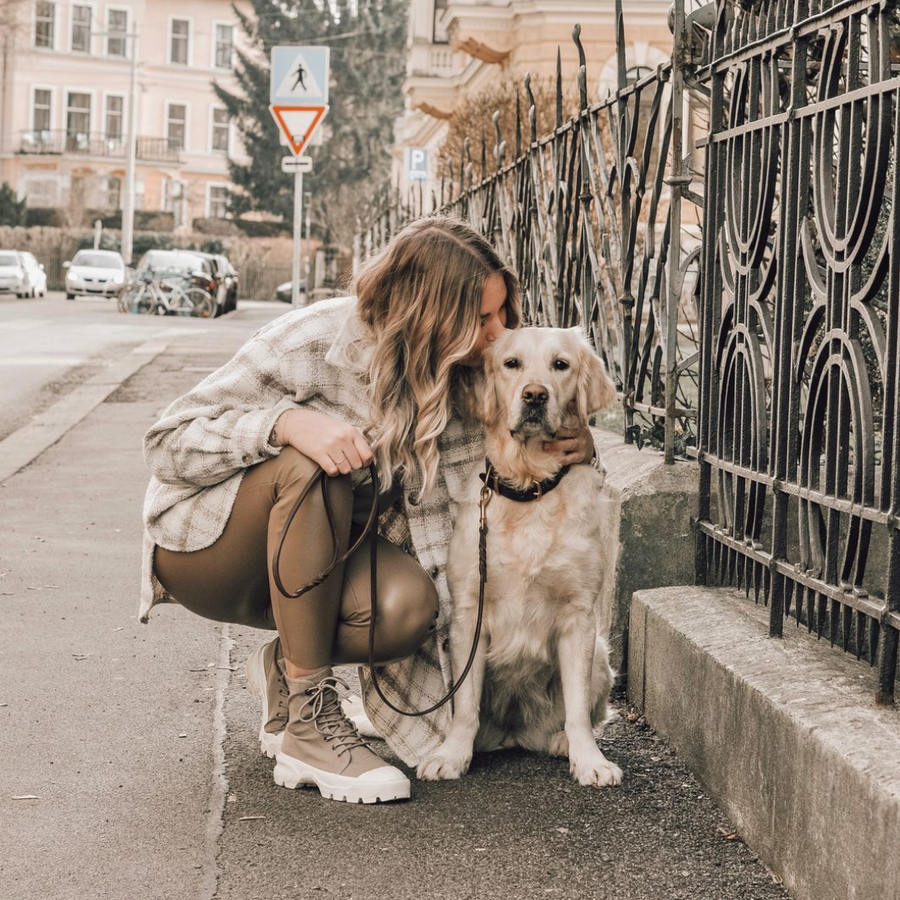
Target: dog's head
[(538, 379)]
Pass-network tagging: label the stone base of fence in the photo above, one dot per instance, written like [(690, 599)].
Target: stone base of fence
[(782, 733), (649, 541)]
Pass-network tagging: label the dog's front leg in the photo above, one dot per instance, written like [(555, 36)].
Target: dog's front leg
[(454, 756), (576, 655)]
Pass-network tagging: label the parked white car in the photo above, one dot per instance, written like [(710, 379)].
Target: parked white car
[(21, 274), (95, 273)]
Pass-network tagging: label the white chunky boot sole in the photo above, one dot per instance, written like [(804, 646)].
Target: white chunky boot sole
[(269, 743), (378, 786)]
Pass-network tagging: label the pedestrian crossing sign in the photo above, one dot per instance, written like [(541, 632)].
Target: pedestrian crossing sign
[(299, 76)]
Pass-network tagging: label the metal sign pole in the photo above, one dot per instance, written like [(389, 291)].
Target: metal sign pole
[(298, 222)]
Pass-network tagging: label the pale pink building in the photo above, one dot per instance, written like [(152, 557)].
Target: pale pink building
[(64, 99)]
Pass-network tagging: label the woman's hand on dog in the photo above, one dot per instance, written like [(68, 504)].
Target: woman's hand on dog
[(337, 447), (572, 446)]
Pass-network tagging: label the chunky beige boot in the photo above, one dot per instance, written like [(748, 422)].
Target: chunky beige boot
[(265, 675), (321, 747)]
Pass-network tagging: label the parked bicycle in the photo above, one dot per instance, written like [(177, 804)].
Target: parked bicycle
[(165, 294)]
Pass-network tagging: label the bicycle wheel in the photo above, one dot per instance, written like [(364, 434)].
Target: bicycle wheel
[(201, 302), (137, 299)]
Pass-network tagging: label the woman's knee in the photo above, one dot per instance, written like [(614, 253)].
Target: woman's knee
[(407, 612)]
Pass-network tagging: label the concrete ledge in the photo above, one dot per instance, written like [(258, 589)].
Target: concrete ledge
[(782, 732), (649, 539)]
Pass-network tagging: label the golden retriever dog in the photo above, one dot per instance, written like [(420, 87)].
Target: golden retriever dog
[(541, 677)]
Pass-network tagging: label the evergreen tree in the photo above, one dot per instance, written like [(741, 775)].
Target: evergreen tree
[(12, 210), (368, 61)]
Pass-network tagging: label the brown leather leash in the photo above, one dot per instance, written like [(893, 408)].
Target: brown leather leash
[(336, 560)]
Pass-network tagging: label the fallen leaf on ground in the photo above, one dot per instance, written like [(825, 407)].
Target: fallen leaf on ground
[(249, 818), (728, 833), (563, 830)]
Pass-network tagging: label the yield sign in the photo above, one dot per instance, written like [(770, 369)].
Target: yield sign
[(297, 123)]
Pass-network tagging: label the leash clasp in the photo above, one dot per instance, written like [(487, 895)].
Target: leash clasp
[(485, 499)]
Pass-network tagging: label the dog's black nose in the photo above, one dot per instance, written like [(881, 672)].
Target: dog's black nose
[(534, 394)]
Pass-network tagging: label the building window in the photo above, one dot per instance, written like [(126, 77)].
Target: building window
[(115, 108), (220, 129), (41, 193), (117, 28), (176, 126), (41, 115), (179, 45), (218, 201), (45, 24), (78, 121), (81, 29), (224, 45), (113, 192)]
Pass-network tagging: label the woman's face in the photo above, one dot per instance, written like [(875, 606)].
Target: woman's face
[(493, 317)]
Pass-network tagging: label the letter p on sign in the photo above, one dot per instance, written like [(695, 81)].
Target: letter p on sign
[(417, 163)]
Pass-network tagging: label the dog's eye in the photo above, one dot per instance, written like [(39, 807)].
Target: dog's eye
[(560, 365), (511, 364)]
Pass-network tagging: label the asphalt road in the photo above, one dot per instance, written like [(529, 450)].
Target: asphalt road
[(130, 768)]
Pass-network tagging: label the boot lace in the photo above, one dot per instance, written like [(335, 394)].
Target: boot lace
[(323, 709)]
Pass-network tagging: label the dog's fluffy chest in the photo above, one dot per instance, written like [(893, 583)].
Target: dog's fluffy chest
[(538, 552)]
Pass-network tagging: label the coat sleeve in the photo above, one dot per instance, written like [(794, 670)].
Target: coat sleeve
[(223, 424)]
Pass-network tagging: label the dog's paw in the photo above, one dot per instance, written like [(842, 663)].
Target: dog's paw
[(441, 767), (596, 772), (559, 744)]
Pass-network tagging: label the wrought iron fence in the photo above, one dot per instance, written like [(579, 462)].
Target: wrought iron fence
[(781, 325), (590, 217), (799, 439)]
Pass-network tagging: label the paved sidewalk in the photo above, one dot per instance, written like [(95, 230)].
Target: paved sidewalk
[(138, 741)]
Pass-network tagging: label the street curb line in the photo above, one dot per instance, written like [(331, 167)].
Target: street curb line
[(31, 440)]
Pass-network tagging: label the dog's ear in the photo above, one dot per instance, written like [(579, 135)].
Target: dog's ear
[(595, 390), (488, 398)]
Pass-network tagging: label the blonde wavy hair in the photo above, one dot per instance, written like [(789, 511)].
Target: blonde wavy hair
[(420, 299)]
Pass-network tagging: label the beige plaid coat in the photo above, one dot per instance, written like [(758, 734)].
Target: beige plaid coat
[(200, 448)]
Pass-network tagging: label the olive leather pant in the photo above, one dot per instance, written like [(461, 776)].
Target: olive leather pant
[(231, 581)]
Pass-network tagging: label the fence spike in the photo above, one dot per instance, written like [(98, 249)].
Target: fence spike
[(483, 153), (532, 110), (518, 123), (582, 67), (559, 90), (620, 46), (500, 144)]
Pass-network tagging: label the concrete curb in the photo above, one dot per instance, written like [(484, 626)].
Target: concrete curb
[(783, 733), (649, 538), (31, 440)]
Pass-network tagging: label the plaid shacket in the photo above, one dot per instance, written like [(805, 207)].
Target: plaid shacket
[(198, 452)]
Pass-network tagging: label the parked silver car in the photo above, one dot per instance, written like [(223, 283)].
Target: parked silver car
[(21, 274), (95, 273)]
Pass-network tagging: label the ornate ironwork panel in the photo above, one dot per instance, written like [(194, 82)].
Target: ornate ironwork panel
[(799, 443), (587, 215)]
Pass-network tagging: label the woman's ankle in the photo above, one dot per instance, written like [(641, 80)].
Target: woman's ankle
[(294, 671)]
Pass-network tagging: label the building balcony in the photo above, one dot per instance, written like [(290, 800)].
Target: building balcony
[(60, 142)]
